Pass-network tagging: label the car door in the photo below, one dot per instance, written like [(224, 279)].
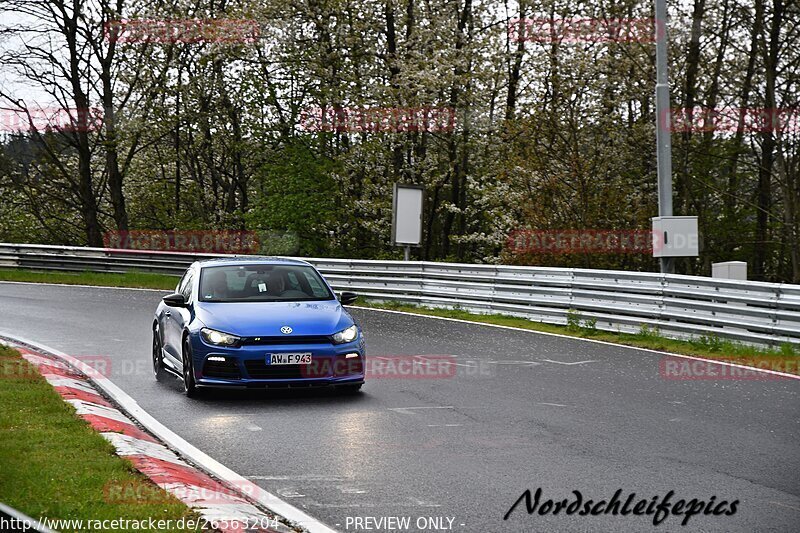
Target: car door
[(163, 316), (175, 318)]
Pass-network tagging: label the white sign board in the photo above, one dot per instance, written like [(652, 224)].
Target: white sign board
[(407, 215), (675, 236)]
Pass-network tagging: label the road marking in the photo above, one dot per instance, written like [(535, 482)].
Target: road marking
[(236, 415), (409, 410), (340, 505), (37, 360), (423, 355), (413, 358), (126, 445), (510, 362), (302, 477), (444, 425), (290, 493), (86, 408), (423, 503), (68, 382), (253, 428), (351, 490), (553, 404), (566, 363), (784, 505)]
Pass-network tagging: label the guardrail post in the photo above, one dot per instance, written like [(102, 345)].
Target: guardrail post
[(662, 299), (571, 296), (776, 305)]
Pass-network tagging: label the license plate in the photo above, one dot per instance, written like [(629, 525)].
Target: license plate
[(289, 358)]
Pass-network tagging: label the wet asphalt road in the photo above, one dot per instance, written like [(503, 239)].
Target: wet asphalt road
[(522, 411)]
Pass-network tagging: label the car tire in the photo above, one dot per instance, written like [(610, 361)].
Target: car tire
[(189, 386), (350, 389), (158, 359)]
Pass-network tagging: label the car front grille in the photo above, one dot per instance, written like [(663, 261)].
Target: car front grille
[(259, 369), (221, 369), (285, 340)]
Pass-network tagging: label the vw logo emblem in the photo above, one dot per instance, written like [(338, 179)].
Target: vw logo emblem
[(286, 330)]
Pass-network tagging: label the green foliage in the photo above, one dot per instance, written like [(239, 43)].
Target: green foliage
[(711, 343), (648, 332), (788, 349), (296, 202), (217, 136), (576, 323), (573, 320)]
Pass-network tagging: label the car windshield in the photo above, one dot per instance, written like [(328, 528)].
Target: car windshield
[(262, 283)]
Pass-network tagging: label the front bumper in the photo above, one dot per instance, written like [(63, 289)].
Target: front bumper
[(247, 366)]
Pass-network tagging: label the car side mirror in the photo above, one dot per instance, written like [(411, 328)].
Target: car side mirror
[(175, 300), (347, 298)]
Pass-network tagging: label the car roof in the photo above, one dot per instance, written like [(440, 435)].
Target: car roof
[(250, 260)]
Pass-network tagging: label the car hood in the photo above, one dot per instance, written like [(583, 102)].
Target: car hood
[(247, 319)]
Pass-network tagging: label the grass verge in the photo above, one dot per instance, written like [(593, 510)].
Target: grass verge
[(143, 280), (785, 358), (53, 464)]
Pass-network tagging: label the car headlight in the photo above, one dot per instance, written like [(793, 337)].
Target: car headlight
[(346, 335), (213, 336)]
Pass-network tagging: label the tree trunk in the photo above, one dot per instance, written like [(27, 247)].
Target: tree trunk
[(764, 191)]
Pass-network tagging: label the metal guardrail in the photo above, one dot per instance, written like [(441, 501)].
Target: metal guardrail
[(678, 306)]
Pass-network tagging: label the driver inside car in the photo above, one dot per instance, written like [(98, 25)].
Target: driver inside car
[(276, 284), (218, 283)]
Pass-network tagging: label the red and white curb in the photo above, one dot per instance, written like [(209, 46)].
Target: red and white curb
[(230, 502)]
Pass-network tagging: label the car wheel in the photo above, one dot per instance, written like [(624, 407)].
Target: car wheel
[(189, 385), (158, 361), (350, 389)]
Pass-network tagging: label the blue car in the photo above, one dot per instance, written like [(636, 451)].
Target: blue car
[(257, 322)]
